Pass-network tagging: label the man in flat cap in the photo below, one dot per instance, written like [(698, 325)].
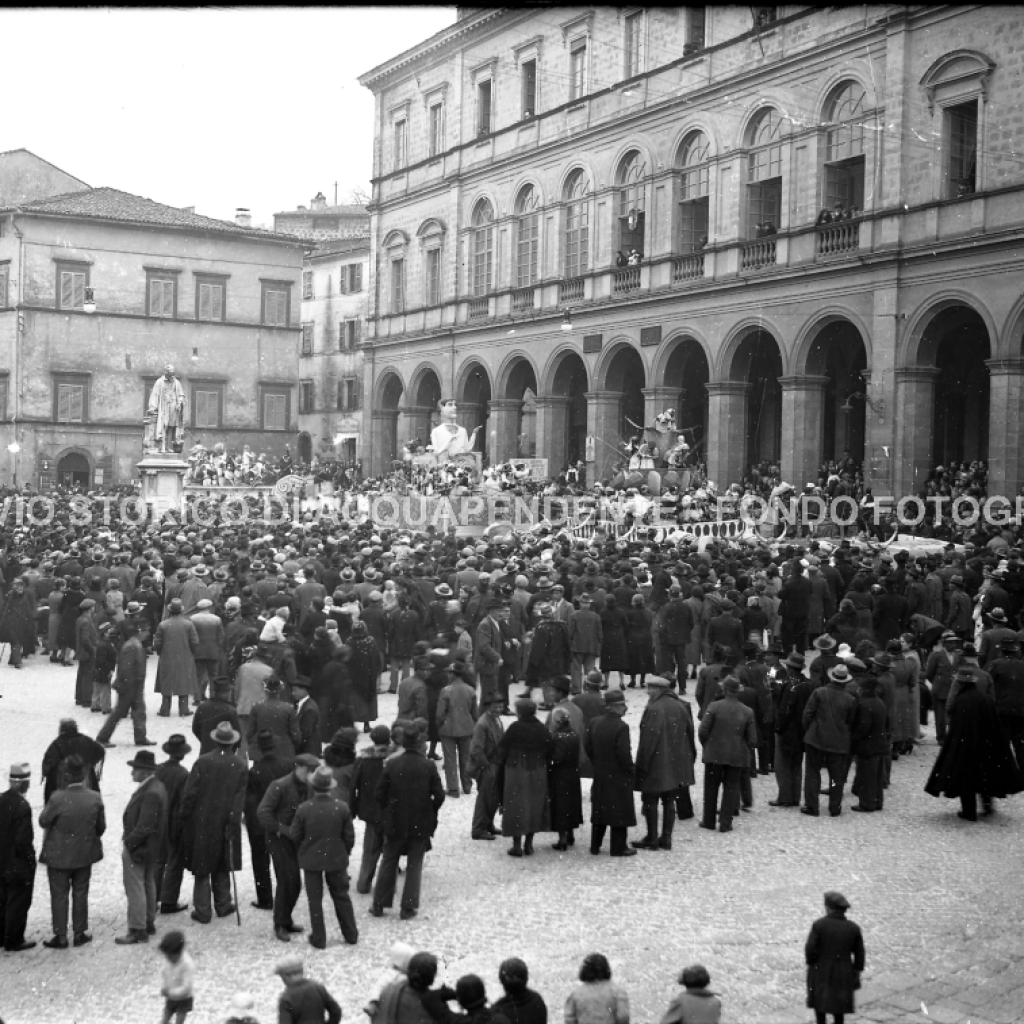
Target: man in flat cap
[(835, 960)]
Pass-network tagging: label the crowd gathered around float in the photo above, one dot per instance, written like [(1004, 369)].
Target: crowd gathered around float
[(816, 658)]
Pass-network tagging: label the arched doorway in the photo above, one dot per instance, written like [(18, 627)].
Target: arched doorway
[(961, 412), (626, 374), (687, 369), (473, 402), (838, 355), (73, 470), (565, 435), (757, 362), (385, 422), (516, 434), (305, 448)]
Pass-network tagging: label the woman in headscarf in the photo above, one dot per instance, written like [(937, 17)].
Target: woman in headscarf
[(522, 783), (564, 780), (340, 757), (365, 668)]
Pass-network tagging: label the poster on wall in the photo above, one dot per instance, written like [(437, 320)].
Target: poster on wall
[(590, 448)]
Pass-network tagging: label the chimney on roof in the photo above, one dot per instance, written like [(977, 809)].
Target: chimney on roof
[(243, 218), (318, 202)]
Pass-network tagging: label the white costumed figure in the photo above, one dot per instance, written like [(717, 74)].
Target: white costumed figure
[(448, 438), (167, 404)]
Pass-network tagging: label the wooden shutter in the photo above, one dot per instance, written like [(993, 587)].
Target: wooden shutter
[(343, 280), (307, 339), (357, 394), (356, 327), (207, 409), (357, 277), (161, 297), (274, 412), (70, 403), (4, 276), (3, 399), (72, 289)]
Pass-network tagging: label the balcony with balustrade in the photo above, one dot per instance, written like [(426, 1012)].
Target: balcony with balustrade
[(838, 239)]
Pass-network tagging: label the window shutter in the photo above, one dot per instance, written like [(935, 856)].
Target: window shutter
[(357, 394), (63, 403), (217, 301), (76, 402), (79, 290), (67, 289), (274, 417), (357, 277), (343, 281), (356, 331), (3, 287)]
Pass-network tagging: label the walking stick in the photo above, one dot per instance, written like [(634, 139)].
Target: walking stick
[(234, 881)]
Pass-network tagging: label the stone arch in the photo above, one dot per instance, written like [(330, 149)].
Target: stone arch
[(724, 369), (550, 373), (918, 345), (484, 194), (683, 370), (667, 348), (611, 351), (518, 188), (514, 408), (567, 175), (388, 390), (697, 125), (563, 403), (1010, 342), (801, 359), (837, 77), (473, 397), (635, 143), (754, 358), (431, 226), (74, 467), (394, 238), (504, 386), (763, 101), (420, 388)]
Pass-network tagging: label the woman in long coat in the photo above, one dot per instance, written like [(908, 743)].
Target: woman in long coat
[(176, 642), (614, 651), (695, 602), (639, 640), (863, 603), (976, 756), (332, 691), (54, 601), (87, 638), (365, 668), (835, 960), (73, 597), (564, 780), (522, 782), (904, 672)]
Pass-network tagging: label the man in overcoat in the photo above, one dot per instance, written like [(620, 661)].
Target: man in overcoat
[(145, 819), (584, 640), (264, 770), (487, 651), (728, 738), (87, 639), (210, 713), (549, 654), (483, 767), (611, 796), (170, 867), (73, 822), (835, 960), (278, 716), (411, 793), (129, 685), (211, 816), (17, 860), (828, 727), (17, 621), (794, 692), (665, 756), (675, 629), (210, 652), (868, 746), (176, 643)]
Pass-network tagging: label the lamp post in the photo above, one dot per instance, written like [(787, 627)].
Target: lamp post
[(14, 448)]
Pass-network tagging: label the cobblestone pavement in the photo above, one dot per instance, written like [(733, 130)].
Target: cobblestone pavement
[(939, 900)]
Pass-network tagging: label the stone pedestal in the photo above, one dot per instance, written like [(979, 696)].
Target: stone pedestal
[(505, 417), (803, 427), (727, 431), (604, 409), (915, 413), (1005, 444), (163, 480)]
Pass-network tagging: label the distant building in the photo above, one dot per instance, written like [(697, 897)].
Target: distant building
[(25, 177), (321, 221), (334, 303), (99, 289)]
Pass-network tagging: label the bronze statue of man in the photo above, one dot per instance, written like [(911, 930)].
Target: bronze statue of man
[(167, 403)]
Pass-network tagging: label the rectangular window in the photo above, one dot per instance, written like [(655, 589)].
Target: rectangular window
[(71, 284), (577, 238), (348, 334), (436, 129), (210, 299), (483, 256), (276, 303), (206, 406), (306, 396), (529, 79), (3, 398), (696, 22), (483, 108), (527, 247), (5, 277), (70, 401), (307, 284), (275, 410), (765, 163), (433, 296), (764, 208), (348, 395), (401, 142), (962, 166), (397, 285), (634, 27), (578, 69), (307, 339), (162, 296), (844, 184), (355, 277), (693, 225)]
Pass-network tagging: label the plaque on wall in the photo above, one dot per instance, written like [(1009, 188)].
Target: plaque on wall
[(650, 336), (593, 342)]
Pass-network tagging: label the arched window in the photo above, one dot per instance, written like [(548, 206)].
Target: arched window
[(577, 224), (844, 151), (527, 236), (483, 246), (631, 203), (695, 167), (764, 173)]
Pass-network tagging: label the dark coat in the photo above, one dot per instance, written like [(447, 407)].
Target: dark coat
[(145, 821), (564, 782), (365, 665), (789, 712), (281, 719), (176, 642), (211, 813), (413, 701), (676, 622), (283, 797), (870, 727), (262, 773), (17, 849), (172, 775), (522, 781), (614, 652), (322, 831), (549, 653), (57, 754), (976, 756), (591, 704), (890, 617), (74, 822), (828, 719), (667, 749), (308, 717), (366, 774), (68, 617), (835, 959), (207, 717), (795, 598), (640, 641), (727, 733), (332, 691), (611, 796), (727, 630), (411, 792)]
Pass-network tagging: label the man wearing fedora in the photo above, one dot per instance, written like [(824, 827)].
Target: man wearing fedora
[(277, 715), (17, 859), (998, 630), (869, 745), (323, 833), (211, 816), (728, 737), (209, 653), (145, 819), (170, 866), (129, 685), (211, 712), (1008, 692), (938, 670), (828, 724), (611, 796), (793, 694), (487, 651), (73, 822), (585, 635)]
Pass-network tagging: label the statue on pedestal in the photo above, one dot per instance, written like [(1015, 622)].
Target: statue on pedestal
[(448, 438), (166, 416)]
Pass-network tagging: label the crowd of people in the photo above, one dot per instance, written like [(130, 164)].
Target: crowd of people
[(276, 642)]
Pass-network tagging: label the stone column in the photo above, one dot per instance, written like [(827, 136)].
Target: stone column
[(553, 431), (384, 427), (658, 399), (915, 416), (415, 422), (1006, 413), (803, 424), (506, 414), (603, 411), (727, 431)]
